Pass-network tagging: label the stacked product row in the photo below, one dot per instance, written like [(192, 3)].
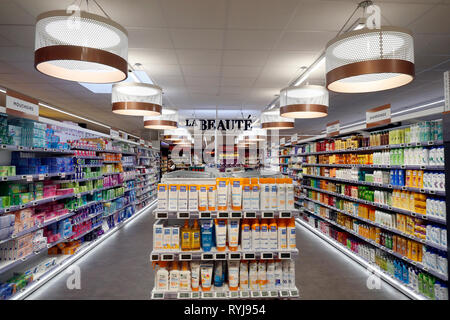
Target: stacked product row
[(216, 275), (221, 234), (228, 194)]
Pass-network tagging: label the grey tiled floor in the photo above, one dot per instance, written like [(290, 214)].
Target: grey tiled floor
[(119, 268)]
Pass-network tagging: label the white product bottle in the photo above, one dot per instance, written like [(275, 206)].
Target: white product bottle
[(174, 277), (282, 235), (162, 277), (256, 235), (246, 236), (278, 275), (243, 276), (270, 274), (253, 275), (185, 277), (291, 274), (285, 274), (262, 276)]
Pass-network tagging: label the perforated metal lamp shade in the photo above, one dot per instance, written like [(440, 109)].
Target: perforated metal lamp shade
[(136, 99), (271, 120), (370, 60), (307, 101), (165, 121), (85, 48)]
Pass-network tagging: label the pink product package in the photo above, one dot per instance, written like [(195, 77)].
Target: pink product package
[(39, 218), (61, 192), (49, 191)]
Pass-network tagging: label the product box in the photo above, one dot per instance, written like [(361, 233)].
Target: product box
[(175, 239), (182, 197), (255, 197), (246, 197), (222, 193), (158, 229), (173, 197), (281, 193), (289, 195), (202, 198), (167, 237), (193, 197)]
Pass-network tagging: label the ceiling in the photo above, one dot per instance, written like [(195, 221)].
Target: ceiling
[(227, 54)]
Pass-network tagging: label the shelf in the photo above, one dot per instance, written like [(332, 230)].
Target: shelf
[(248, 214), (88, 157), (412, 262), (80, 180), (391, 229), (377, 148), (381, 206), (89, 165), (110, 162), (32, 149), (379, 185), (88, 218), (111, 173), (214, 254), (118, 210), (376, 166), (115, 198), (85, 233), (225, 293), (32, 177)]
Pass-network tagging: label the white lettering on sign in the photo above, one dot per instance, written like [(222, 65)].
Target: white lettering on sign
[(141, 142), (378, 116), (22, 106), (113, 133), (294, 138), (333, 128), (373, 20), (282, 141)]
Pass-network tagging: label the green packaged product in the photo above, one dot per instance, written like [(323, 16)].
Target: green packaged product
[(38, 195), (4, 171), (5, 202)]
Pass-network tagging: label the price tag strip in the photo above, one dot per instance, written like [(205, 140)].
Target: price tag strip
[(195, 295), (249, 215), (220, 256), (285, 214), (234, 294), (222, 215), (245, 294), (207, 256), (157, 295), (284, 294), (207, 295), (221, 295), (183, 215), (249, 256), (267, 214), (267, 256), (184, 295), (255, 294), (294, 293), (167, 257), (284, 255), (162, 215), (154, 257), (185, 256), (234, 256), (205, 215)]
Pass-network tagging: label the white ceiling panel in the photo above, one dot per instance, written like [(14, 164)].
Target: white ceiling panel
[(251, 39), (435, 21), (22, 36), (149, 38), (195, 13), (290, 58), (260, 14), (241, 71), (199, 57), (202, 81), (238, 82), (197, 39), (305, 41), (200, 71), (12, 13), (245, 57), (152, 56)]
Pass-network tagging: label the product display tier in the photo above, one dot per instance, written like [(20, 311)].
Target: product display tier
[(251, 214), (83, 191), (214, 254), (381, 206), (225, 293)]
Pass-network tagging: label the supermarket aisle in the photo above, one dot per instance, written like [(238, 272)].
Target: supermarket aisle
[(118, 268), (323, 272)]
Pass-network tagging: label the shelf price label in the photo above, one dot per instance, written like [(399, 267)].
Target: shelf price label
[(157, 295), (207, 295), (284, 255), (207, 256), (236, 215), (245, 294), (221, 295), (235, 256), (285, 214), (220, 256), (267, 255), (195, 295), (162, 215), (249, 256), (183, 215), (185, 256), (265, 294), (205, 215), (255, 294), (249, 215), (167, 257), (184, 295), (294, 293), (284, 294), (234, 294), (273, 294), (154, 257), (267, 214), (222, 215)]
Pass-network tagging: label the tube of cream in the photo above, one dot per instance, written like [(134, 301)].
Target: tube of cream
[(233, 275), (233, 234), (206, 271), (221, 234), (195, 275)]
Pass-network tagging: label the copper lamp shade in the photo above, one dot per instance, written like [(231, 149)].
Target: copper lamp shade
[(370, 60), (85, 48), (136, 99), (307, 101)]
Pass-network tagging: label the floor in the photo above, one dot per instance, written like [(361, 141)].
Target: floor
[(119, 268)]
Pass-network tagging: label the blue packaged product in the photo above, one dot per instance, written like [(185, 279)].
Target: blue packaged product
[(392, 177), (219, 275), (401, 177), (206, 230)]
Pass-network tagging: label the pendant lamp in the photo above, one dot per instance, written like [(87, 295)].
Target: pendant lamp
[(370, 60), (136, 99), (307, 101), (271, 120), (167, 120), (85, 48)]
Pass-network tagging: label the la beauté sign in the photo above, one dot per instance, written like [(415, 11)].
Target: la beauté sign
[(223, 125)]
